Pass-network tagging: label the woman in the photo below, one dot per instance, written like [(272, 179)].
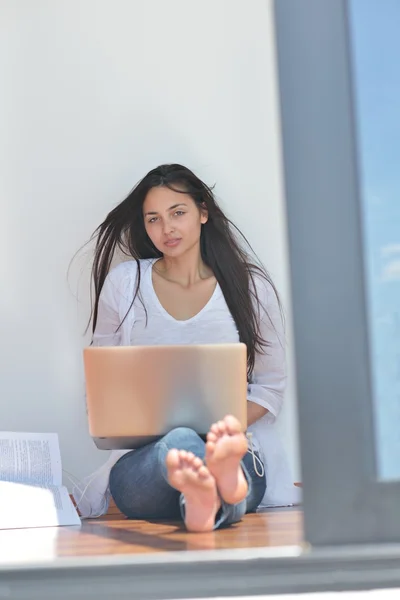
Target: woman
[(188, 281)]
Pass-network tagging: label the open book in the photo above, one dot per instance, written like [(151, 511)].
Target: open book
[(31, 490)]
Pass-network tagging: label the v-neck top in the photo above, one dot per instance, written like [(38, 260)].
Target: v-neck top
[(213, 324)]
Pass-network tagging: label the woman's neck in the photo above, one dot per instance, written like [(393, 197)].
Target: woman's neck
[(185, 270)]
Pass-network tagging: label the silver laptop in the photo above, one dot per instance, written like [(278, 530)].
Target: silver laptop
[(136, 394)]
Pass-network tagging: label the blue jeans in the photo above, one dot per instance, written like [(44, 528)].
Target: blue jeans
[(140, 488)]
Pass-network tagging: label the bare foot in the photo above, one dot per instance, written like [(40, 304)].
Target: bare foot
[(226, 445), (188, 474)]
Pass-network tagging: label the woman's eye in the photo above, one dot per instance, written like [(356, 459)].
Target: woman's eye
[(153, 220), (179, 213)]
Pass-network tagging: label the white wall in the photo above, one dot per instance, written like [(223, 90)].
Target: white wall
[(94, 94)]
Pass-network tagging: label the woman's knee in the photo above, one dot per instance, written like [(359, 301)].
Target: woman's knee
[(184, 438)]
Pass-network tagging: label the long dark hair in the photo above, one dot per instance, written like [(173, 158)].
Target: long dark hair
[(221, 244)]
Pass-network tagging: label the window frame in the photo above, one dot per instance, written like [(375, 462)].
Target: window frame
[(344, 503)]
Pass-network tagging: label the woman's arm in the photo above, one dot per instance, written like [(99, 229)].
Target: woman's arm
[(267, 385), (254, 412), (108, 315)]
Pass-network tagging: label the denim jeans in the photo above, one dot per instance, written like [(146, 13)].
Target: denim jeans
[(140, 488)]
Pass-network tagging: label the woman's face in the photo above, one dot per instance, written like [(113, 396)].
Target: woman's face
[(172, 221)]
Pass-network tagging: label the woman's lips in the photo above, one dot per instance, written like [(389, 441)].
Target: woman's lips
[(172, 243)]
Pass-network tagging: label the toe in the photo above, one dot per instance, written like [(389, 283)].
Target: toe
[(211, 437), (173, 459), (183, 454), (197, 462), (221, 427), (214, 429), (203, 472), (232, 425), (210, 446)]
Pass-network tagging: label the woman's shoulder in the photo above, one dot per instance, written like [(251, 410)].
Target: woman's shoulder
[(122, 278), (128, 269)]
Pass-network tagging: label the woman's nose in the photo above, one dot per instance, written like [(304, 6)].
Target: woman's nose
[(168, 228)]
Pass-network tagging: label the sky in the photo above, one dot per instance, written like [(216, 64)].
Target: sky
[(375, 48)]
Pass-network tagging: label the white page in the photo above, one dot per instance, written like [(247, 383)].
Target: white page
[(30, 458), (28, 545), (24, 505)]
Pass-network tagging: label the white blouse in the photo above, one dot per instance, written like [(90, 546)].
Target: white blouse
[(213, 324)]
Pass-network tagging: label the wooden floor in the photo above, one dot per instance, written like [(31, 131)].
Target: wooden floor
[(114, 535)]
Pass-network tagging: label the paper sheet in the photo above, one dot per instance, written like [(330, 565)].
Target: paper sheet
[(23, 505), (30, 458)]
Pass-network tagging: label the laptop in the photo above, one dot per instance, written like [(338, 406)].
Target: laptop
[(136, 394)]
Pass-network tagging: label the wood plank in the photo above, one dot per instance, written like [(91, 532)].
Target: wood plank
[(114, 535)]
